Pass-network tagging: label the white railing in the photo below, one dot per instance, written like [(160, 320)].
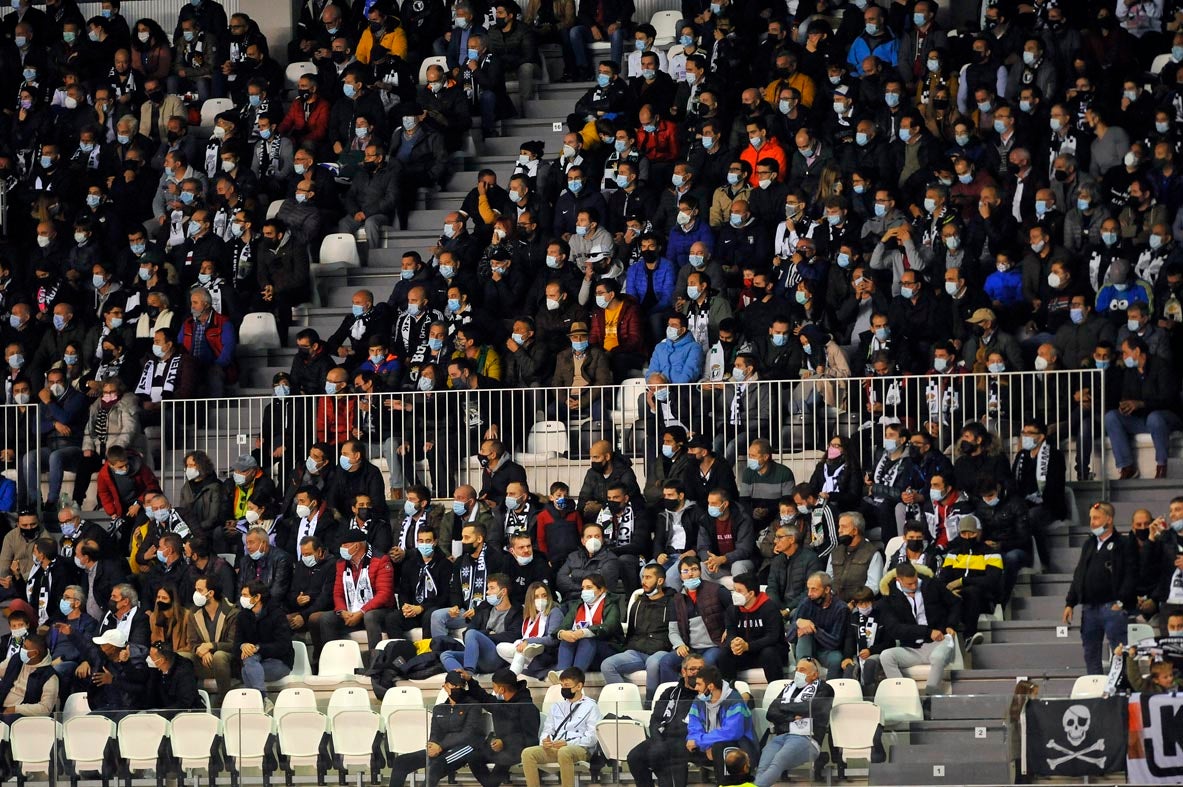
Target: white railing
[(20, 450), (434, 438)]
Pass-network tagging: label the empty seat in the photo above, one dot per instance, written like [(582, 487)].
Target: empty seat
[(400, 697), (241, 701), (338, 660), (1088, 687), (898, 700), (548, 438), (191, 738), (852, 729), (338, 248), (245, 738), (618, 737), (31, 742), (354, 732), (846, 690), (1136, 632), (139, 736), (300, 734), (293, 699), (665, 23), (84, 744), (259, 331), (212, 108)]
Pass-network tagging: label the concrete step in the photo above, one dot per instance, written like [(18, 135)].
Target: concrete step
[(512, 146), (986, 762), (971, 707), (427, 220), (1022, 631), (957, 734), (1037, 608), (1065, 652), (555, 110)]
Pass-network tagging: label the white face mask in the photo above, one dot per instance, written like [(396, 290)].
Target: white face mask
[(593, 545), (245, 602), (540, 604), (199, 599)]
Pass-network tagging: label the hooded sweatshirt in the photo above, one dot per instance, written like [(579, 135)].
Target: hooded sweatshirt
[(760, 625)]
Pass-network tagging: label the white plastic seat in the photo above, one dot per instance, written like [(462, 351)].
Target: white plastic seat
[(339, 248), (274, 207), (846, 690), (241, 701), (300, 733), (259, 331), (435, 60), (347, 698), (204, 695), (548, 438), (406, 729), (301, 667), (661, 688), (212, 108), (898, 700), (84, 742), (772, 693), (618, 737), (399, 697), (293, 700), (139, 736), (1159, 63), (852, 729), (354, 731), (338, 660), (77, 704), (622, 699), (1088, 687), (893, 545), (292, 74), (245, 737), (665, 23), (1136, 632), (191, 738), (554, 694), (31, 742), (628, 405)]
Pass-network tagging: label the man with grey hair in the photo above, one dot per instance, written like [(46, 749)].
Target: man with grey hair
[(211, 340), (264, 563), (125, 616), (855, 562), (162, 520), (70, 633)]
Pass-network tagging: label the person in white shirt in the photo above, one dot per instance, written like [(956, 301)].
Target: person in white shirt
[(569, 733)]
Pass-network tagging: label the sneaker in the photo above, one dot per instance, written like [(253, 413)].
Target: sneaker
[(552, 677), (532, 650), (976, 639)]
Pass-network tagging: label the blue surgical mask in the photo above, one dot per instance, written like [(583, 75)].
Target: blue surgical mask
[(905, 134), (587, 596), (349, 90), (435, 344), (579, 346), (779, 339), (426, 550), (603, 80), (843, 260), (357, 310), (667, 451), (66, 606), (473, 54), (458, 508), (346, 463), (880, 210), (753, 464), (575, 185), (715, 511), (409, 508), (891, 99), (736, 219)]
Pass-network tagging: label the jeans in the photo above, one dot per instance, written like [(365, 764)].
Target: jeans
[(581, 39), (488, 102), (1120, 428), (617, 668), (783, 753), (373, 224), (1012, 562), (442, 624), (586, 654), (257, 672), (937, 655), (479, 655), (1099, 622), (330, 626), (807, 648), (669, 669)]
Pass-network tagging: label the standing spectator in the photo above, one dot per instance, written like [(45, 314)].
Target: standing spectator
[(1103, 585)]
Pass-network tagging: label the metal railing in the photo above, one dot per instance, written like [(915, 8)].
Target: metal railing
[(21, 456), (434, 438)]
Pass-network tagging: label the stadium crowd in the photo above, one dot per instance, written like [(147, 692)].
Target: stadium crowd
[(780, 202)]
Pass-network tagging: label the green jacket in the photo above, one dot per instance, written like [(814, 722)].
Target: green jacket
[(609, 631)]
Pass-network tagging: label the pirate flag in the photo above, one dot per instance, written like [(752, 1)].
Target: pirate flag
[(1075, 737)]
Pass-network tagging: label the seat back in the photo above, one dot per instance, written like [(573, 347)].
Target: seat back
[(300, 732), (853, 726), (553, 695), (899, 701), (238, 700), (893, 545), (548, 437), (772, 693), (192, 737), (274, 207), (212, 108), (1136, 632), (292, 74), (301, 666), (618, 737), (1088, 687), (338, 247), (354, 731), (339, 658), (292, 700), (245, 736), (31, 742), (77, 704), (436, 60), (846, 690), (260, 331), (620, 699), (348, 698), (139, 736), (85, 739), (631, 390), (1159, 63), (665, 23), (406, 730)]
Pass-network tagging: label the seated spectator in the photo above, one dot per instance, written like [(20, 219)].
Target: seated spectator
[(117, 676), (470, 576), (456, 726), (568, 734), (496, 621), (266, 563), (537, 647), (930, 641), (917, 549), (70, 633), (819, 625), (29, 686), (203, 496), (515, 717), (866, 639), (647, 642), (263, 638), (607, 468), (855, 562), (719, 720), (763, 482), (727, 545), (363, 593), (663, 753), (792, 565), (822, 518), (168, 621), (424, 581), (211, 632), (593, 558), (754, 630), (213, 346), (799, 721), (591, 630), (973, 571), (172, 682), (63, 417), (1146, 403)]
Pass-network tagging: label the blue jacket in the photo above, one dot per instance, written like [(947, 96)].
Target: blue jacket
[(71, 410), (1006, 288), (861, 47), (678, 248), (664, 279), (735, 722), (680, 361)]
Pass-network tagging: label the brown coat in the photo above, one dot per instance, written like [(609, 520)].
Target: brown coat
[(596, 369)]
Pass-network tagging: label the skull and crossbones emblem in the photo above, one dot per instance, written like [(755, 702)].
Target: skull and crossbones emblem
[(1076, 723)]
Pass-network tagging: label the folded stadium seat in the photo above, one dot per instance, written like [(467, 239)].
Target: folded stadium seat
[(244, 741), (618, 737), (84, 744), (622, 699), (31, 743), (353, 734), (398, 697), (338, 248), (665, 24), (191, 739), (139, 736), (852, 729), (240, 701), (301, 667), (1088, 687), (259, 331), (547, 439), (300, 734), (898, 700), (338, 661), (845, 690), (293, 699), (77, 704)]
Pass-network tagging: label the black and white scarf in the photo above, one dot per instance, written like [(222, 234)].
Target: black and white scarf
[(159, 378), (408, 537), (618, 530), (425, 588), (358, 590), (1042, 459), (472, 579), (38, 588)]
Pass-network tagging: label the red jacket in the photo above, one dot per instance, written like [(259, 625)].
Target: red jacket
[(143, 478), (314, 129), (661, 145), (381, 580), (335, 419), (629, 333)]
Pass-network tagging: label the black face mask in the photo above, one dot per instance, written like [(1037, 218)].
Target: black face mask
[(107, 356), (615, 506), (845, 540), (470, 549), (363, 514), (1142, 533), (915, 544), (1061, 175), (112, 605), (649, 255), (567, 693), (29, 534), (966, 447), (339, 57), (156, 96), (163, 606), (670, 505), (599, 467)]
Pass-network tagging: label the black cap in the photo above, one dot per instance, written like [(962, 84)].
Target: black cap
[(698, 441), (454, 678), (353, 536)]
